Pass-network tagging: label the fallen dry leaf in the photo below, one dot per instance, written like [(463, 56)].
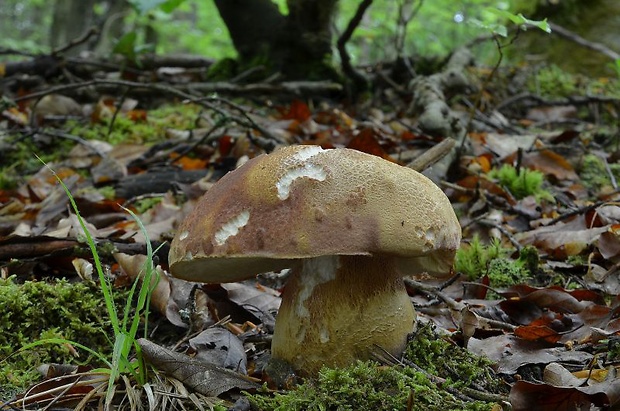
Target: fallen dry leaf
[(204, 378)]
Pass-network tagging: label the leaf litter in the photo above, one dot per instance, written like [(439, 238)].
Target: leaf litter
[(554, 341)]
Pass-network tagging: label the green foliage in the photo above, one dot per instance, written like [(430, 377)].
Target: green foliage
[(521, 183), (477, 260), (594, 174), (493, 20), (552, 81), (438, 356), (37, 310), (473, 260), (145, 204), (126, 356), (368, 386), (144, 6)]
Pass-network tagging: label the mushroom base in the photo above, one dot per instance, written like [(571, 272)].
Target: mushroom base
[(335, 309)]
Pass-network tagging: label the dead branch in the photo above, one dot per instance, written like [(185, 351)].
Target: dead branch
[(432, 155), (575, 38), (358, 79)]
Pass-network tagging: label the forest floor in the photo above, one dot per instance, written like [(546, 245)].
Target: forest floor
[(530, 316)]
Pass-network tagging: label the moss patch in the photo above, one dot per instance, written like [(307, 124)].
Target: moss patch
[(594, 174), (477, 260), (36, 310), (369, 386), (522, 182)]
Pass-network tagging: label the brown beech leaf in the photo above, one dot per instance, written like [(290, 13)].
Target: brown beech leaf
[(510, 353), (161, 300), (567, 396), (202, 377), (551, 164), (563, 239), (220, 347), (528, 396), (537, 333), (366, 141)]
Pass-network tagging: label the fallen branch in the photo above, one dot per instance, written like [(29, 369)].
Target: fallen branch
[(576, 38)]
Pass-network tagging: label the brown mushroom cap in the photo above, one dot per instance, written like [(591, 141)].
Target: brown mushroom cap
[(302, 202)]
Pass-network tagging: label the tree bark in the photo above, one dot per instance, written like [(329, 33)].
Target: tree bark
[(298, 45), (72, 18)]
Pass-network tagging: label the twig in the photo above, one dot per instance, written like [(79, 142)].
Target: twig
[(245, 120), (60, 134), (403, 21), (575, 212), (575, 38), (450, 302), (573, 100), (432, 155), (502, 230), (358, 79), (75, 42)]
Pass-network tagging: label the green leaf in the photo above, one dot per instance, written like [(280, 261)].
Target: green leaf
[(144, 6), (126, 45), (520, 19)]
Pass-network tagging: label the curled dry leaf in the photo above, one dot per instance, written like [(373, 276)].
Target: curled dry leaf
[(204, 378), (220, 347), (133, 267)]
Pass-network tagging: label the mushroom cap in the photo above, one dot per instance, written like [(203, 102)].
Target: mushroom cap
[(303, 202)]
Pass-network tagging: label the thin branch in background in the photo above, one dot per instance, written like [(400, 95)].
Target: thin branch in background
[(487, 81), (208, 137), (348, 69), (209, 103), (575, 38), (83, 39), (406, 12)]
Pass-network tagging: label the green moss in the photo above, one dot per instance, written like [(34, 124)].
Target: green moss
[(443, 358), (369, 386), (129, 131), (521, 183), (37, 310), (594, 174), (8, 179), (477, 260), (504, 272), (473, 259), (552, 81), (145, 204)]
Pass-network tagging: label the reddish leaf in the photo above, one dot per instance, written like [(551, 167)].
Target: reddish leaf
[(298, 110), (527, 396), (366, 141), (537, 333)]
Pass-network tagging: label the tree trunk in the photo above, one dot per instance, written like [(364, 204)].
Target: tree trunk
[(72, 18), (299, 45)]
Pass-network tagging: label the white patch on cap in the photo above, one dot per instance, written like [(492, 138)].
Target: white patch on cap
[(231, 227), (307, 152), (310, 171), (183, 235)]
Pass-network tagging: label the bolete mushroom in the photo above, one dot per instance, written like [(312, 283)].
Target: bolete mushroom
[(350, 225)]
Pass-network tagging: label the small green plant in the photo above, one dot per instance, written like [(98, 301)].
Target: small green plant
[(473, 260), (126, 355), (493, 18), (477, 260), (522, 182)]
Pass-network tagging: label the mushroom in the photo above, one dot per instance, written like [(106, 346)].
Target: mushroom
[(349, 225)]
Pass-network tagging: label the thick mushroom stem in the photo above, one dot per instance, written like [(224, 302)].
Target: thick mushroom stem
[(336, 308)]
